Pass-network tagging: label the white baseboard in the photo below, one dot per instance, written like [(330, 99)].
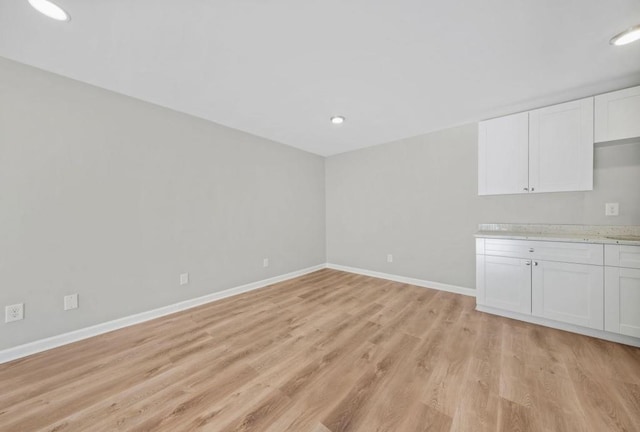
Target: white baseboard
[(30, 348), (419, 282), (613, 337), (98, 329)]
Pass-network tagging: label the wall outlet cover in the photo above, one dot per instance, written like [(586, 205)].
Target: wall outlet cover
[(184, 278), (71, 302), (389, 258), (14, 312), (612, 209), (265, 262)]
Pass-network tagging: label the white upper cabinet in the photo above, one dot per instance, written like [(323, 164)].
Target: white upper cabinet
[(561, 147), (618, 115), (546, 150), (503, 155)]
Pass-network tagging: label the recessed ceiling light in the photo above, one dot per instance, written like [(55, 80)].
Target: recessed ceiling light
[(50, 9), (336, 120), (626, 37)]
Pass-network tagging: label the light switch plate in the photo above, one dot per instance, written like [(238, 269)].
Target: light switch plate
[(611, 209), (71, 302)]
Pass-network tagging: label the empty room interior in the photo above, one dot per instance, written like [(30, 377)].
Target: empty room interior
[(304, 216)]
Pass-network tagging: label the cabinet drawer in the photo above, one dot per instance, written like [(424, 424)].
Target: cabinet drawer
[(622, 256), (579, 253), (508, 248)]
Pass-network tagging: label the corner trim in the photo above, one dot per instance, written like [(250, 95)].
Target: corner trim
[(600, 334), (403, 279), (34, 347)]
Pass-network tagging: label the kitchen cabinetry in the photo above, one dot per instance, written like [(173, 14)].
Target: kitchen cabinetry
[(622, 290), (506, 283), (561, 147), (561, 281), (568, 292), (503, 149), (617, 115), (545, 150), (589, 288)]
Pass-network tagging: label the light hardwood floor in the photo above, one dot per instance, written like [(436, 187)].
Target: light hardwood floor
[(328, 352)]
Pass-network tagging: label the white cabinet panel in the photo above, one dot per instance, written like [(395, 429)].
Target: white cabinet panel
[(503, 155), (561, 147), (617, 115), (571, 293), (622, 301), (579, 253), (508, 248), (505, 283), (622, 256)]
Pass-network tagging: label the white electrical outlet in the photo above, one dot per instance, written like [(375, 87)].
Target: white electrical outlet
[(612, 209), (389, 258), (265, 262), (14, 312), (184, 278), (71, 302)]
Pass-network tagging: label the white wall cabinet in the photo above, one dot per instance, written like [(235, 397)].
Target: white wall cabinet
[(505, 283), (568, 292), (503, 151), (546, 150), (561, 147), (617, 115)]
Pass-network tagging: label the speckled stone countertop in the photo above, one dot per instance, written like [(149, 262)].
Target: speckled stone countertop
[(604, 234)]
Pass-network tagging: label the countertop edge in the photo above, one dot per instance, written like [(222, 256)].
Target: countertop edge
[(556, 238)]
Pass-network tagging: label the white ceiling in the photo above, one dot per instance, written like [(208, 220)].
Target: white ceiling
[(280, 68)]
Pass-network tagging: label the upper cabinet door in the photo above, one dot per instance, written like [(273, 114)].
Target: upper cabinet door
[(618, 115), (503, 155), (561, 147)]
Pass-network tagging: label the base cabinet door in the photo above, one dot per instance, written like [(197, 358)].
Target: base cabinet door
[(505, 283), (622, 301), (570, 293)]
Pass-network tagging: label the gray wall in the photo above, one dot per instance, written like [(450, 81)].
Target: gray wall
[(417, 199), (113, 198)]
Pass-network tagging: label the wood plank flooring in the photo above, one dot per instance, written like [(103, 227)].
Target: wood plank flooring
[(328, 352)]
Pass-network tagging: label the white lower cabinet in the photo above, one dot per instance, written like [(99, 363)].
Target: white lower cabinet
[(567, 292), (587, 288), (622, 300), (505, 283)]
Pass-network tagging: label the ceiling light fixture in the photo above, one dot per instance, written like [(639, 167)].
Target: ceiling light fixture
[(50, 9), (336, 120), (626, 37)]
